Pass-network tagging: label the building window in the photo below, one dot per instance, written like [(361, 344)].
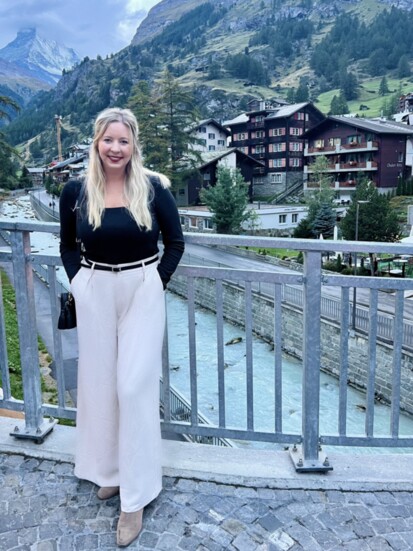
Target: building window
[(207, 176), (221, 142), (276, 163), (202, 129), (319, 144), (258, 181), (241, 136), (296, 131), (259, 134), (208, 225), (181, 191), (277, 132), (182, 220), (277, 178), (211, 148), (299, 116), (294, 218), (277, 147), (400, 157), (211, 136), (259, 149), (296, 146), (354, 139), (282, 218), (202, 141), (295, 162), (334, 141), (193, 221)]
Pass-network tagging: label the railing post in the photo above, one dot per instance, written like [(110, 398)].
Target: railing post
[(36, 428), (308, 456)]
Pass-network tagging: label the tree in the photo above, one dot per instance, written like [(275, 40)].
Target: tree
[(7, 152), (338, 105), (377, 221), (383, 88), (178, 114), (403, 67), (349, 85), (227, 200), (152, 135), (25, 180), (390, 106), (166, 113), (324, 221), (321, 217), (301, 94)]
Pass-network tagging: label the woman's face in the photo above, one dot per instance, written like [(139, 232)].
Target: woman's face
[(115, 147)]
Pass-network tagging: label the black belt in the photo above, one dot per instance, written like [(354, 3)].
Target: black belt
[(86, 263)]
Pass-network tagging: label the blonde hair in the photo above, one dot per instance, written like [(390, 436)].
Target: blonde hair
[(138, 187)]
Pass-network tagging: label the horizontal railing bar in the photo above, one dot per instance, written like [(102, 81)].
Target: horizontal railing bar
[(57, 411), (233, 274), (368, 441), (318, 245), (233, 434)]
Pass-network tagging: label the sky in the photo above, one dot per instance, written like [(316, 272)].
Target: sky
[(90, 27)]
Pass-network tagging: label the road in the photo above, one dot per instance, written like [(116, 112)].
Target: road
[(203, 254)]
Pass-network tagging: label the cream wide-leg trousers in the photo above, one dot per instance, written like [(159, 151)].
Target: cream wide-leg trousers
[(120, 321)]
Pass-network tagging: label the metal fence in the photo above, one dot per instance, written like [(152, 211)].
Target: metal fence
[(306, 453)]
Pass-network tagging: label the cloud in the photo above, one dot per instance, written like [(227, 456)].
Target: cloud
[(90, 27)]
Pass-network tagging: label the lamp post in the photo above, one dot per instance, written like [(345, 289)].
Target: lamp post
[(356, 238)]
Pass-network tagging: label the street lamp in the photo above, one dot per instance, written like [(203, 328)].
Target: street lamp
[(356, 238)]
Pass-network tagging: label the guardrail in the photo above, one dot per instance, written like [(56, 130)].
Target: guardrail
[(306, 453)]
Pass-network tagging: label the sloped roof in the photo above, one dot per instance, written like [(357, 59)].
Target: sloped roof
[(287, 110), (214, 156), (378, 126), (238, 120), (215, 123)]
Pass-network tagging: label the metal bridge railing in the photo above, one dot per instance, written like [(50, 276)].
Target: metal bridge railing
[(306, 453)]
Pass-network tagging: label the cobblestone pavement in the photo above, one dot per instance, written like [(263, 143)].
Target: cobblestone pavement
[(44, 507)]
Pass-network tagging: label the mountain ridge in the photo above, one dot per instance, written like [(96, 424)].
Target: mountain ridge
[(30, 63), (192, 43)]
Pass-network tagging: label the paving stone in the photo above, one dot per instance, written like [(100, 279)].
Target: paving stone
[(243, 542), (270, 522), (43, 507)]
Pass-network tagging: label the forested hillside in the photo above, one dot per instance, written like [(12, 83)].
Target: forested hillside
[(334, 53)]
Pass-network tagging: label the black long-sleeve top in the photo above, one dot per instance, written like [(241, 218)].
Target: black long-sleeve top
[(119, 239)]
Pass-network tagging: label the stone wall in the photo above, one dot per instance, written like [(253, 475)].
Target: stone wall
[(292, 338)]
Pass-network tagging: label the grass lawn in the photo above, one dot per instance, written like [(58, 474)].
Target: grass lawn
[(277, 253), (368, 95), (49, 390)]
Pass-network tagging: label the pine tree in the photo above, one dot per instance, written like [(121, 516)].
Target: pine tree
[(178, 114), (152, 135), (227, 200), (324, 221), (377, 221), (383, 88), (403, 67)]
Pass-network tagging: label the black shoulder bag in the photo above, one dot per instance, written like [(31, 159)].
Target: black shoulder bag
[(67, 316)]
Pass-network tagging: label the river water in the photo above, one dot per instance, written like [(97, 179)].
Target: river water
[(235, 369)]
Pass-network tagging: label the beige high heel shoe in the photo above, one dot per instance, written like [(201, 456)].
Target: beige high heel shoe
[(107, 492), (129, 526)]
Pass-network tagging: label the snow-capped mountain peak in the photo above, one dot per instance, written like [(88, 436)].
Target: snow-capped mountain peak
[(44, 58)]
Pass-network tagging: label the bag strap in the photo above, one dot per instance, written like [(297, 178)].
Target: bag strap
[(78, 206)]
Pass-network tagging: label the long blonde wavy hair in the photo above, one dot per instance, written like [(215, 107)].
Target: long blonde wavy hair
[(138, 188)]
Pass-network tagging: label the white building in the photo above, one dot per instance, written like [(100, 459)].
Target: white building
[(211, 136)]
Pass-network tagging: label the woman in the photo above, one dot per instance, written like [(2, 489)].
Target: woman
[(118, 283)]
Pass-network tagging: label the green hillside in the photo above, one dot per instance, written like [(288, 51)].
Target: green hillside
[(230, 52)]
